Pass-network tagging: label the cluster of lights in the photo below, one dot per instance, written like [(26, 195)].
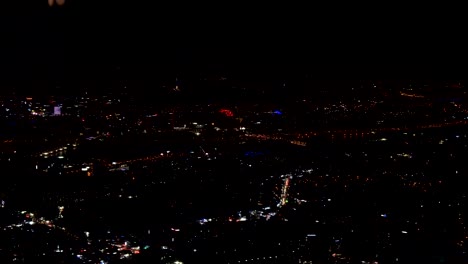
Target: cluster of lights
[(57, 2)]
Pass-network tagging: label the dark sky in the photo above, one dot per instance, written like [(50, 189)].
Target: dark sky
[(88, 40)]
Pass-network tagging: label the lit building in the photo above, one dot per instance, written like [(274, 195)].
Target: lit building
[(57, 110)]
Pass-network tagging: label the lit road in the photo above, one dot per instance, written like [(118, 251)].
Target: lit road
[(284, 191), (298, 138)]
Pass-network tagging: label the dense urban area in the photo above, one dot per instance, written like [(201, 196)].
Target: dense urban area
[(360, 171)]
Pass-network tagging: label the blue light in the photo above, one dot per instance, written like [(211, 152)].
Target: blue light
[(253, 153), (277, 112)]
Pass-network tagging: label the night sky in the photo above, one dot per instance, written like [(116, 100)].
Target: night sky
[(88, 41)]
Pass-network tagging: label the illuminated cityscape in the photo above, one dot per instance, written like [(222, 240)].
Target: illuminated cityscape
[(367, 179), (125, 141)]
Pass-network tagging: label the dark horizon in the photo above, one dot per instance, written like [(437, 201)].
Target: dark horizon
[(88, 42)]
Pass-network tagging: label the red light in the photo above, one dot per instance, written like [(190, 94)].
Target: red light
[(136, 252), (226, 112)]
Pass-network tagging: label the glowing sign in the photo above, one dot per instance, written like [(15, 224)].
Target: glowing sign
[(226, 112)]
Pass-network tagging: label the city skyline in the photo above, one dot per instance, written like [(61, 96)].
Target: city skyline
[(138, 133)]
